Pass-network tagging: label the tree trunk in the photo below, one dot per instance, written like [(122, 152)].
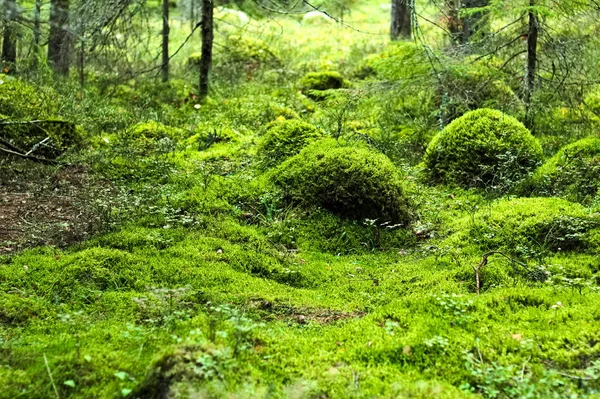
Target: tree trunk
[(532, 44), (454, 23), (475, 22), (37, 32), (59, 42), (165, 42), (9, 45), (207, 44), (192, 15), (401, 21)]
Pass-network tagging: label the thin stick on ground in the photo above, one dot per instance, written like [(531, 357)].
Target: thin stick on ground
[(50, 375), (484, 261)]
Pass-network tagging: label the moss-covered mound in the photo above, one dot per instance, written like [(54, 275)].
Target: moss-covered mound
[(247, 51), (573, 173), (49, 137), (154, 131), (353, 182), (483, 148), (20, 100), (530, 227), (322, 81), (28, 120), (285, 139)]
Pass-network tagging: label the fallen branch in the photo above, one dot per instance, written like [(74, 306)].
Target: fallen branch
[(30, 157), (484, 262)]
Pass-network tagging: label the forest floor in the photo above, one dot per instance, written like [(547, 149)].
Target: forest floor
[(164, 264)]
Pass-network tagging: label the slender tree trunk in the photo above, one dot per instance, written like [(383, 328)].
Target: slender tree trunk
[(37, 32), (475, 22), (192, 14), (532, 44), (454, 23), (165, 42), (82, 59), (9, 44), (59, 43), (207, 45), (401, 21)]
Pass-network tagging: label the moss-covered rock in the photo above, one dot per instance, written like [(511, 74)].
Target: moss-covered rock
[(327, 80), (285, 139), (484, 148), (530, 227), (573, 173), (353, 182)]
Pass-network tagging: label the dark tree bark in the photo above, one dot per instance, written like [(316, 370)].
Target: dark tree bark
[(474, 22), (454, 23), (207, 45), (9, 44), (192, 15), (532, 45), (463, 27), (165, 42), (59, 43), (401, 21), (37, 32)]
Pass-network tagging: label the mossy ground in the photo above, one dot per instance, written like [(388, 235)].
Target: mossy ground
[(199, 279)]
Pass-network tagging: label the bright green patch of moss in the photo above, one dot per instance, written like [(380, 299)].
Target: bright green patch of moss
[(573, 173), (314, 83), (20, 100), (532, 227), (484, 148), (285, 139), (154, 130), (355, 182)]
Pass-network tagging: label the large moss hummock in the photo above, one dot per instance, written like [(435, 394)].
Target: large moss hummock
[(353, 182), (483, 148), (573, 173), (532, 226), (285, 139)]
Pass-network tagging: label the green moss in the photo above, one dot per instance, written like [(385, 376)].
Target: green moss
[(531, 227), (592, 101), (483, 148), (245, 50), (154, 130), (59, 135), (20, 100), (573, 173), (18, 310), (400, 60), (194, 59), (285, 139), (354, 182), (316, 84)]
